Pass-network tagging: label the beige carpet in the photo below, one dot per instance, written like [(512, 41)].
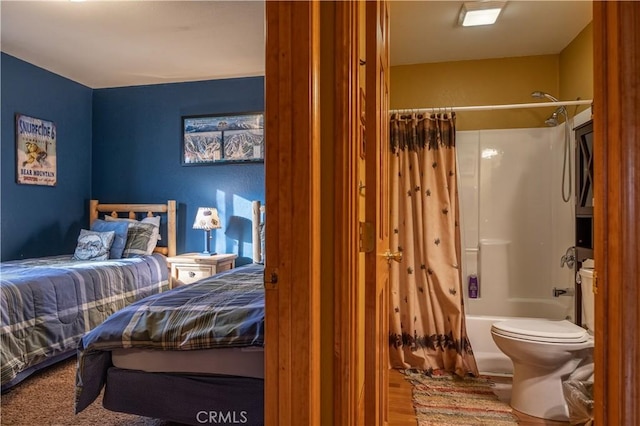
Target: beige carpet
[(47, 398)]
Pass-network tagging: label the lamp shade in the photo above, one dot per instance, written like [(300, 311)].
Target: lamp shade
[(207, 219)]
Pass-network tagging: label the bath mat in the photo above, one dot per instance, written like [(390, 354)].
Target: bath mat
[(443, 400)]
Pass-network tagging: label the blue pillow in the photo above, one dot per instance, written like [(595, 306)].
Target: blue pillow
[(120, 239)]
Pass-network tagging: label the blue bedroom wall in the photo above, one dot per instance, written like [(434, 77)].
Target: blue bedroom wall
[(44, 220), (137, 157)]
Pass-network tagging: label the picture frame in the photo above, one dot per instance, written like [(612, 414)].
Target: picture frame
[(35, 151), (222, 139)]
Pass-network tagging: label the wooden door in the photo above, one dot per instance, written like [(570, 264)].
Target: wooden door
[(616, 125), (377, 212)]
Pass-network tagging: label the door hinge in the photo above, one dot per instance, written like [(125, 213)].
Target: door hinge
[(366, 237), (594, 285)]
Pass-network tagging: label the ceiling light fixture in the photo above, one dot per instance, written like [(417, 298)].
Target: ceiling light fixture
[(480, 13)]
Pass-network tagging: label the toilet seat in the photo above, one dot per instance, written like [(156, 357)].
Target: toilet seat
[(539, 330)]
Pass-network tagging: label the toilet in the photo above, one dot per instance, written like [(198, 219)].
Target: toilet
[(544, 353), (585, 279)]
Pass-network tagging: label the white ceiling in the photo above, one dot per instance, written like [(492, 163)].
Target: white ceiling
[(125, 43)]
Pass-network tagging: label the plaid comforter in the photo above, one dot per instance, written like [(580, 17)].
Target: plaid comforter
[(226, 310), (49, 303)]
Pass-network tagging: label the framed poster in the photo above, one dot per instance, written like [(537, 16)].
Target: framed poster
[(222, 139), (35, 151)]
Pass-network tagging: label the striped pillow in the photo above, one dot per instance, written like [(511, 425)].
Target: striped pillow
[(153, 220), (141, 239)]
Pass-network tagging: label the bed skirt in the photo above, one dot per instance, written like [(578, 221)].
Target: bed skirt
[(188, 399)]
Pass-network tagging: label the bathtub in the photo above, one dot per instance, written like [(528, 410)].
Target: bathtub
[(490, 360)]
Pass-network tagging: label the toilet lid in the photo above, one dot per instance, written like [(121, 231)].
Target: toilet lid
[(540, 330)]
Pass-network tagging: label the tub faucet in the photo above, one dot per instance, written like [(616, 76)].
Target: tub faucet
[(557, 292), (569, 258)]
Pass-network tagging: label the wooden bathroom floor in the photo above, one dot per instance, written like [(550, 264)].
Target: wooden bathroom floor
[(401, 412)]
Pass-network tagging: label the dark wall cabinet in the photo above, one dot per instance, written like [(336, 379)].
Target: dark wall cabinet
[(584, 203), (584, 190)]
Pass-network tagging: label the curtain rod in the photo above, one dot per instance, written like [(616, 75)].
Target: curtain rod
[(492, 107)]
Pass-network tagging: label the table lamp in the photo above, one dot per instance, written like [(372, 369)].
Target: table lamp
[(207, 219)]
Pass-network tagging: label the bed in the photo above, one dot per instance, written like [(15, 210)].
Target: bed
[(192, 355), (49, 303)]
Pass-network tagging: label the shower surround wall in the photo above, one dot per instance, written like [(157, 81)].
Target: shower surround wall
[(514, 222)]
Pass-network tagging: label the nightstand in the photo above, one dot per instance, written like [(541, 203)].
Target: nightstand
[(191, 267)]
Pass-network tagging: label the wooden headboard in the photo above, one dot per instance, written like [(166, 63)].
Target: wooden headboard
[(130, 210)]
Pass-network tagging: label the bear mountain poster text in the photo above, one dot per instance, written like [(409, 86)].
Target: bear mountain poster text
[(36, 151)]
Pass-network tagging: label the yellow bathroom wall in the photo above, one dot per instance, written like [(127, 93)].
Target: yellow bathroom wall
[(479, 82), (577, 57), (566, 75)]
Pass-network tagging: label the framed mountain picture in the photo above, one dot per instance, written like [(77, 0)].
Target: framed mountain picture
[(222, 139)]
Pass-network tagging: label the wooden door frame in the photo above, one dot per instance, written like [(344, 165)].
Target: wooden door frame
[(347, 353), (616, 123), (292, 164), (292, 193)]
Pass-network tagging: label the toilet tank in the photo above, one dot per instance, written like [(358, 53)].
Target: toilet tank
[(588, 300)]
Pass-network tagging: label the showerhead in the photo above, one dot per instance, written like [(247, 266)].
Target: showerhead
[(552, 121), (538, 94)]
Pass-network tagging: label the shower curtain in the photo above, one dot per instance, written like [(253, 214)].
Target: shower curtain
[(427, 326)]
